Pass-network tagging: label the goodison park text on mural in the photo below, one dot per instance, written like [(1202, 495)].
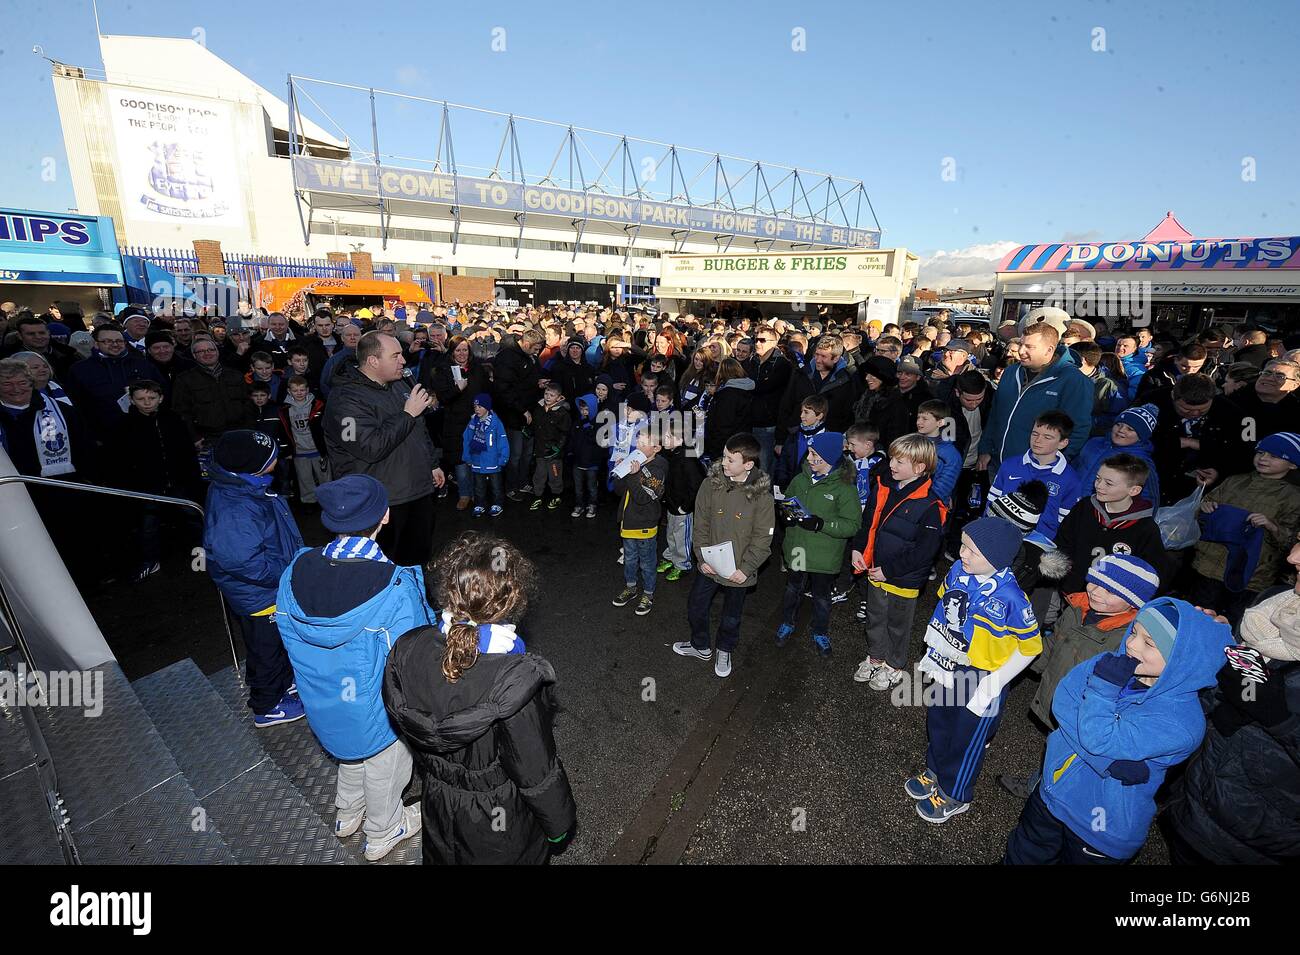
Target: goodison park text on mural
[(358, 179)]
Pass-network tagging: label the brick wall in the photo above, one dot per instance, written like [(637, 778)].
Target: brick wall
[(365, 268), (336, 258), (466, 288), (208, 252)]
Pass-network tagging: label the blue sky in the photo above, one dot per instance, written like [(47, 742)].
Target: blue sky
[(1050, 138)]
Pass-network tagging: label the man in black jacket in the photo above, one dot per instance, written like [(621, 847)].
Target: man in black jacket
[(826, 375), (97, 385), (277, 339), (771, 373), (969, 397), (1252, 346), (161, 350), (211, 398), (517, 393), (372, 426), (1196, 436), (1270, 407), (1189, 360), (34, 336), (320, 346)]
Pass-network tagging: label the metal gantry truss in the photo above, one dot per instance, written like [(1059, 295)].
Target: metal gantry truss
[(716, 181)]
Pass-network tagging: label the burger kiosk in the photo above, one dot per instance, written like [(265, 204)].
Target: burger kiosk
[(847, 284)]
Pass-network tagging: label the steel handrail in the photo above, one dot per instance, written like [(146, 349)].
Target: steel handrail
[(7, 610)]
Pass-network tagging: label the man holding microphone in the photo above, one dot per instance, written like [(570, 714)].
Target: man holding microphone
[(372, 426)]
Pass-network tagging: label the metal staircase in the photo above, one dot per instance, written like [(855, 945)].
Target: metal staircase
[(174, 772), (171, 770)]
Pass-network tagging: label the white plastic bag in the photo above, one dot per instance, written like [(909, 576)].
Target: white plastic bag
[(1179, 523)]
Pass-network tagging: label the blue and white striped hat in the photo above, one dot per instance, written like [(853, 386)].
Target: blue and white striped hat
[(1285, 445), (1129, 578)]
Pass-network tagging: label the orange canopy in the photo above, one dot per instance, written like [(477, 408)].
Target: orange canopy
[(288, 294)]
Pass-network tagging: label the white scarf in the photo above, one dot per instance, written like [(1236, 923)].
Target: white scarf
[(53, 447)]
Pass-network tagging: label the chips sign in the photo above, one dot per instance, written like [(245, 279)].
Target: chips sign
[(52, 248), (416, 185)]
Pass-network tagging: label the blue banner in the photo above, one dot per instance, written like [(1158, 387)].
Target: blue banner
[(58, 249), (417, 185)]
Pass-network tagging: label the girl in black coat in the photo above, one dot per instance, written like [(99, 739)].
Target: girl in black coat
[(730, 411), (477, 711), (881, 405), (455, 383)]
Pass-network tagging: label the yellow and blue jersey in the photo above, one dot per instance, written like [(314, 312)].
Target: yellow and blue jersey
[(979, 622)]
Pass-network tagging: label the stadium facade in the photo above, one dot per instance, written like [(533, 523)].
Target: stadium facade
[(174, 144)]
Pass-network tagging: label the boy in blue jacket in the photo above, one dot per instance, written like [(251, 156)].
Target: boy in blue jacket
[(588, 457), (1130, 434), (930, 418), (340, 608), (1125, 719), (1044, 461), (249, 538), (487, 449)]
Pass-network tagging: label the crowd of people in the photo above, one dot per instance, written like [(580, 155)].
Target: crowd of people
[(1113, 514)]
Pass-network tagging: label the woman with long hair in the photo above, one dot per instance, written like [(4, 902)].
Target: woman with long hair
[(698, 376), (618, 362), (455, 383), (476, 710)]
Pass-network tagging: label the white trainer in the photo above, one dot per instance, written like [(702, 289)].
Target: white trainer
[(410, 827), (344, 826), (866, 670), (886, 677), (722, 664)]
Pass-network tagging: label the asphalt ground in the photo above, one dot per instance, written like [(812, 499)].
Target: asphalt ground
[(787, 760)]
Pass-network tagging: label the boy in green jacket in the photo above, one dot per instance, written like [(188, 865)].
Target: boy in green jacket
[(823, 513), (734, 505)]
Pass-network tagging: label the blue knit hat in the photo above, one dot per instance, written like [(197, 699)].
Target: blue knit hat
[(1141, 419), (1161, 621), (244, 451), (352, 503), (1129, 578), (483, 400), (829, 446), (997, 539), (1285, 445)]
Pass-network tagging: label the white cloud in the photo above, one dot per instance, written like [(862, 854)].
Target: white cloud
[(972, 267), (410, 75)]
